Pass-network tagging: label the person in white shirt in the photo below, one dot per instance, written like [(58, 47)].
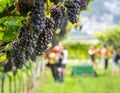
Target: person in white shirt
[(64, 61)]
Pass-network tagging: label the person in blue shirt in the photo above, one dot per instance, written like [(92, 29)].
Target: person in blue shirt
[(116, 61)]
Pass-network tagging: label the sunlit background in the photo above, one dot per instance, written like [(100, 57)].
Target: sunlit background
[(99, 26)]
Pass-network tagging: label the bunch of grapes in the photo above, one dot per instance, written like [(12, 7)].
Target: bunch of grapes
[(59, 16), (73, 10), (63, 31), (24, 47), (8, 66), (24, 6), (46, 36), (55, 40), (37, 21), (56, 14), (62, 27)]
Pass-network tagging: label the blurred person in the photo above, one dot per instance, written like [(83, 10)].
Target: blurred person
[(92, 53), (64, 61), (53, 65), (115, 67), (59, 63), (105, 56)]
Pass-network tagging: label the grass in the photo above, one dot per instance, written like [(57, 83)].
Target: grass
[(80, 84)]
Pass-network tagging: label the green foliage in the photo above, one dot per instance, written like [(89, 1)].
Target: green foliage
[(4, 4), (2, 57), (77, 50), (110, 37), (10, 28), (9, 25)]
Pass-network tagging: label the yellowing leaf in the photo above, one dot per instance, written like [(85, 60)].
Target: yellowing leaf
[(1, 35), (2, 57)]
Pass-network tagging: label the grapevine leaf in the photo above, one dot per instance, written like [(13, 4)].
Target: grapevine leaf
[(1, 35), (9, 34), (2, 57)]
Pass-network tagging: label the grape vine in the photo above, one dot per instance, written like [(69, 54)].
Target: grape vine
[(39, 28)]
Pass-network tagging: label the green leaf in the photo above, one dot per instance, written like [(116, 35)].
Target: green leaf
[(2, 57), (4, 4), (1, 35), (10, 26), (9, 34)]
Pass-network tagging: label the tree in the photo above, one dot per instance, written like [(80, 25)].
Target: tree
[(110, 36)]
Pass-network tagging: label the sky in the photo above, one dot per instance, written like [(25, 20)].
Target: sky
[(103, 14)]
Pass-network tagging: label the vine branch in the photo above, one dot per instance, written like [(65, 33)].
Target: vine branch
[(2, 45), (7, 12), (3, 63)]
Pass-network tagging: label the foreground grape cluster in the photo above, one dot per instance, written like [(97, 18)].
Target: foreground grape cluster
[(38, 31), (46, 37)]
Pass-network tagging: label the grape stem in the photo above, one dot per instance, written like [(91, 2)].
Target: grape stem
[(2, 63), (47, 7), (2, 46), (60, 4), (2, 50), (7, 12)]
